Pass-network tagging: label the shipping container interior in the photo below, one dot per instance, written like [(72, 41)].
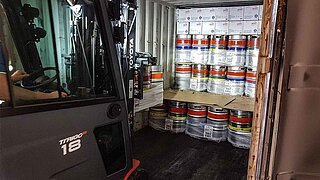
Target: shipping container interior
[(177, 156)]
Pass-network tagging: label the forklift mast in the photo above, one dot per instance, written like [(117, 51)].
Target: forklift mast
[(90, 46)]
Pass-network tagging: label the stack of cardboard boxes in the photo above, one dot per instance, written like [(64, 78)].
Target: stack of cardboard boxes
[(244, 20)]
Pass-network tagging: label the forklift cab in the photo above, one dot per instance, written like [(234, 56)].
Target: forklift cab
[(65, 47)]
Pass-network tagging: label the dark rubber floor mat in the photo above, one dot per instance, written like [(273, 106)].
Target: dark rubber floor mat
[(167, 156)]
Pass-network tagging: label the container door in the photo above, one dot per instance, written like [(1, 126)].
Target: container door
[(297, 153), (63, 113)]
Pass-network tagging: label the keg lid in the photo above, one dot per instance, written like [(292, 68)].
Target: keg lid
[(241, 113), (177, 103), (217, 67), (156, 68), (250, 37), (217, 109), (199, 66), (197, 106), (237, 37), (200, 37), (236, 68), (222, 37), (183, 36)]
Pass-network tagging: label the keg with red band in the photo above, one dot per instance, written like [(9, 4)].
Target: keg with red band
[(177, 110), (197, 112), (216, 113), (239, 116)]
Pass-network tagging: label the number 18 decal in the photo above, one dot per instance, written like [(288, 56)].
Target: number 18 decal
[(72, 143)]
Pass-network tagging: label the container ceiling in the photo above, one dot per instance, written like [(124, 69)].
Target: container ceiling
[(207, 3)]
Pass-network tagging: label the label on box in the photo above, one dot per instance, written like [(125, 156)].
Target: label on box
[(222, 28), (168, 124), (222, 13), (236, 13), (260, 12), (182, 28), (184, 14), (250, 27), (208, 14), (235, 27), (195, 28), (208, 27), (251, 12), (208, 131)]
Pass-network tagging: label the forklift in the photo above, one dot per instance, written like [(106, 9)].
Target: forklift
[(82, 48)]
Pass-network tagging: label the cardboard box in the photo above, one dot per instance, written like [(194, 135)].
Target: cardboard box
[(196, 14), (222, 13), (195, 28), (236, 13), (182, 27), (260, 12), (222, 28), (259, 27), (251, 12), (235, 27), (184, 15), (208, 14), (208, 27), (250, 27)]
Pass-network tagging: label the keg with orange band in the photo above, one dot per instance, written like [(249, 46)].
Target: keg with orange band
[(156, 74), (177, 110)]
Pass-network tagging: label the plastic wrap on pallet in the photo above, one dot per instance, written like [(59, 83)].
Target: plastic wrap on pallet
[(175, 126), (204, 131), (195, 129), (239, 139)]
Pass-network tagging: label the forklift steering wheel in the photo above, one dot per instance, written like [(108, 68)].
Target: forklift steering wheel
[(37, 79)]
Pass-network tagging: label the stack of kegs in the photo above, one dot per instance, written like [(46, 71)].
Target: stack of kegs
[(199, 79), (239, 134), (157, 117), (219, 60), (211, 123), (177, 115), (183, 48), (196, 120), (182, 76)]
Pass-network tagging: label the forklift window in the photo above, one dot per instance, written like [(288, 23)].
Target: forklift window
[(59, 46)]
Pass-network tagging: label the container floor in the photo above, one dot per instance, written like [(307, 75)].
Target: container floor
[(167, 156)]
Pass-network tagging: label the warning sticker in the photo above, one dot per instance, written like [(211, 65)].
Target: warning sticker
[(208, 130)]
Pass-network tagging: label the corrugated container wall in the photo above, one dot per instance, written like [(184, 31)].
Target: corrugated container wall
[(155, 33)]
